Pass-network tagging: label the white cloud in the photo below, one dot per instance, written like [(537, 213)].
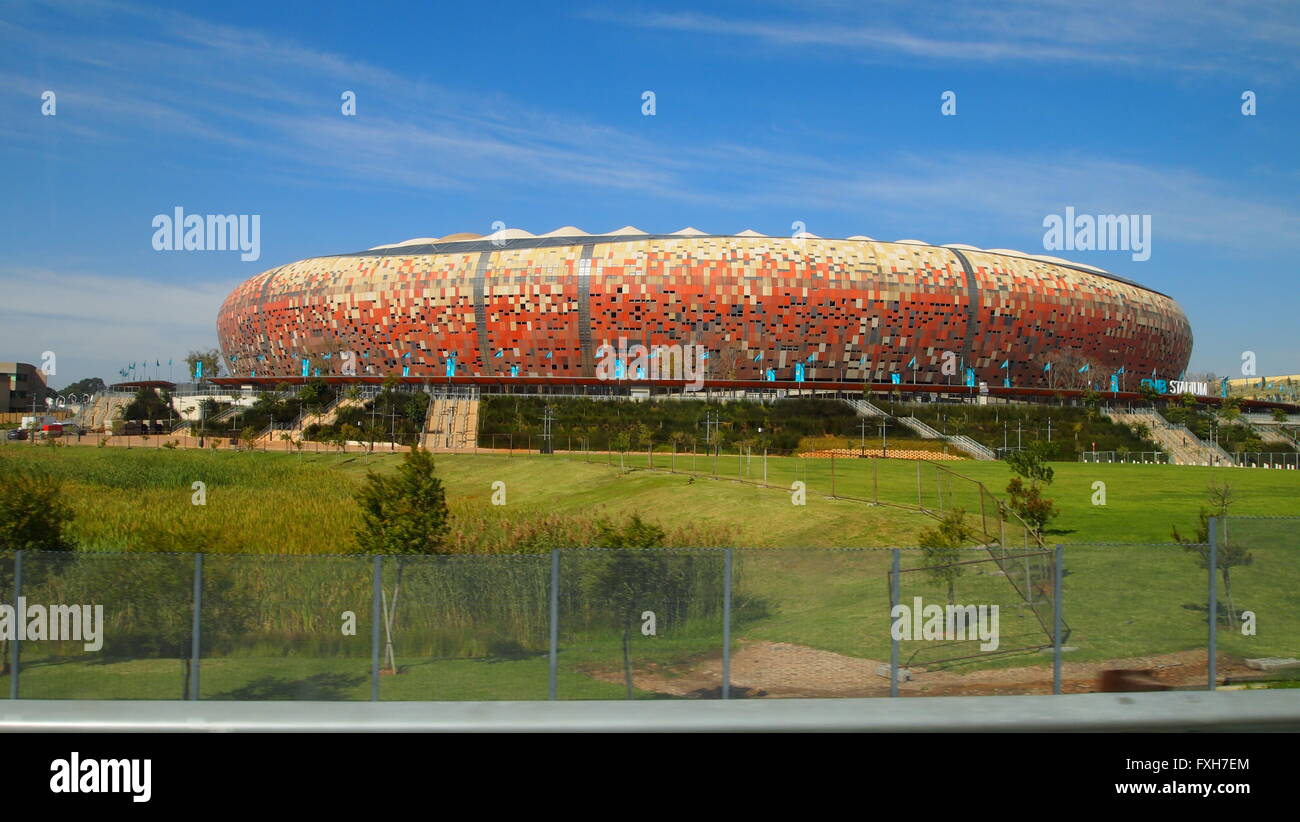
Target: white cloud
[(96, 324), (1173, 35)]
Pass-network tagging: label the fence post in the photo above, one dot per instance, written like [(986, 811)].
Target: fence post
[(15, 642), (726, 623), (1057, 609), (196, 626), (1211, 663), (376, 616), (553, 678), (893, 639), (918, 485)]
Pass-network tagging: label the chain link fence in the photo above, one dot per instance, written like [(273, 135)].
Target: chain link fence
[(656, 624)]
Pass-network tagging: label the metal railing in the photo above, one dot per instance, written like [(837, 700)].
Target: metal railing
[(1126, 457)]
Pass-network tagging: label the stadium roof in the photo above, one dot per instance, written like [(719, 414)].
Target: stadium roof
[(572, 235)]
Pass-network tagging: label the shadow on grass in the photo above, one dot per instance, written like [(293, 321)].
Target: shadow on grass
[(1225, 616), (323, 687)]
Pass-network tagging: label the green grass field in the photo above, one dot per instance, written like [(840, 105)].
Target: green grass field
[(1120, 600)]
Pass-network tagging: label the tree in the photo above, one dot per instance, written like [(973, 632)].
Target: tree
[(1227, 555), (148, 405), (90, 385), (153, 612), (1279, 415), (1028, 503), (622, 441), (33, 514), (1031, 462), (1230, 409), (1027, 500), (405, 512), (211, 360), (1149, 392), (941, 546), (402, 514), (628, 577)]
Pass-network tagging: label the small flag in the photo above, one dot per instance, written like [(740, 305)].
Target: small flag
[(758, 356), (912, 364), (501, 352), (812, 357), (548, 355), (1085, 367), (1005, 364), (1047, 366)]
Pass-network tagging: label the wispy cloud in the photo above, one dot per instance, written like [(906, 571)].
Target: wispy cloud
[(1174, 35), (91, 321)]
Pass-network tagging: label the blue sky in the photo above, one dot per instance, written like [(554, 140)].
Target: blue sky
[(767, 113)]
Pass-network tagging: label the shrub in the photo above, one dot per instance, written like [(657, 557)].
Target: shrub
[(33, 515)]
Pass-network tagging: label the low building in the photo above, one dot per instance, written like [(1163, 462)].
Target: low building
[(21, 384)]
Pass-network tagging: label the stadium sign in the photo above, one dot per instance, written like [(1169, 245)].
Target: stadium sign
[(1179, 386)]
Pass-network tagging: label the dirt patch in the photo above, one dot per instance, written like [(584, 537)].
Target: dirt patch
[(778, 669)]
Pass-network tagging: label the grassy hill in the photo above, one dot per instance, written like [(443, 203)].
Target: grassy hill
[(1121, 601)]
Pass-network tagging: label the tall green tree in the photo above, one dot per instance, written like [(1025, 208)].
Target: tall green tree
[(624, 580), (404, 512)]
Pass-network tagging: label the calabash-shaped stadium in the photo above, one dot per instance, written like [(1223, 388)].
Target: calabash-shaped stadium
[(763, 308)]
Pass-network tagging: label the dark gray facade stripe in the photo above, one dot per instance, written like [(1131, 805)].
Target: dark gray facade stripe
[(480, 310), (584, 312), (972, 309)]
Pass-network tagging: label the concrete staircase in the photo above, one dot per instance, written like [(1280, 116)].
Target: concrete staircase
[(1182, 446), (451, 424), (102, 410), (959, 441)]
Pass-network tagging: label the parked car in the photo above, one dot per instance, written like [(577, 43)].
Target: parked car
[(15, 434)]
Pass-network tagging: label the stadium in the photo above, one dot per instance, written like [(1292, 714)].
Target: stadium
[(763, 309)]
